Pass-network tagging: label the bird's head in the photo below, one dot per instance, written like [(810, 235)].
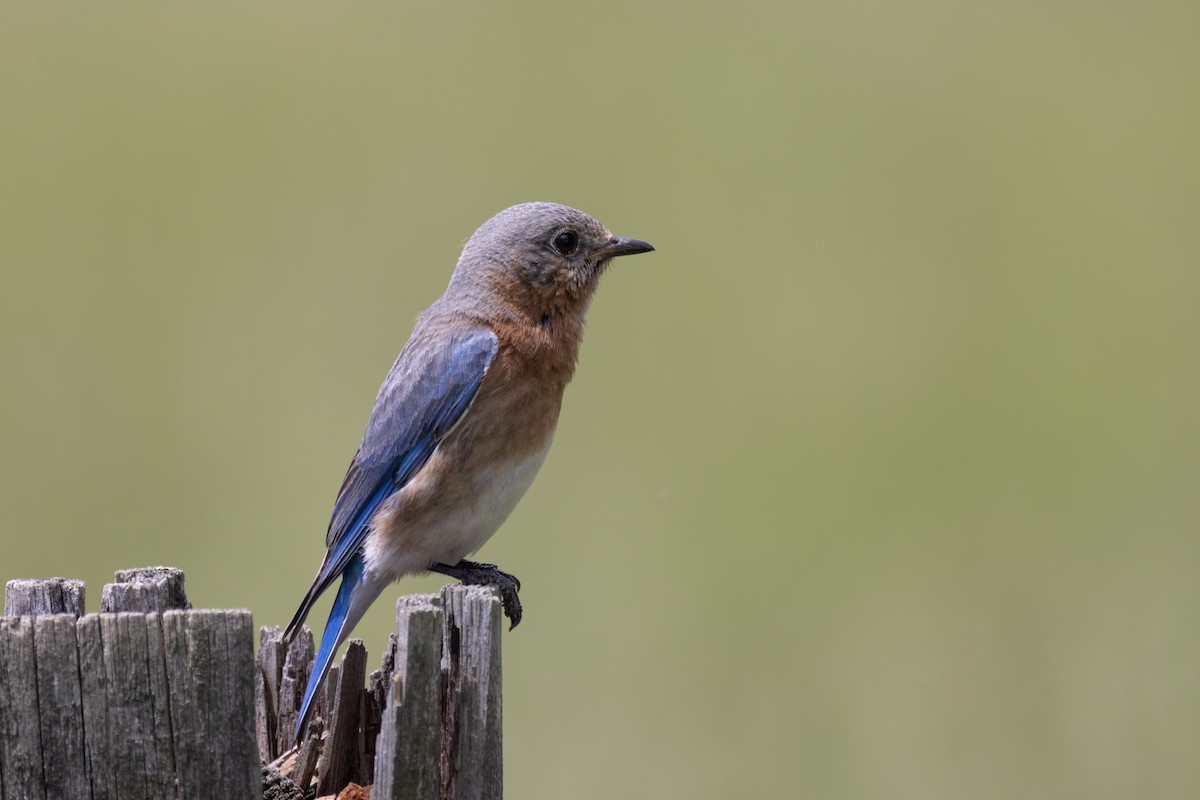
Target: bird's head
[(541, 258)]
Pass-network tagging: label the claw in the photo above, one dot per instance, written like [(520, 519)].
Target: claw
[(471, 573)]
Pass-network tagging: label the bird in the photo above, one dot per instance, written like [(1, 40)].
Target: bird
[(464, 418)]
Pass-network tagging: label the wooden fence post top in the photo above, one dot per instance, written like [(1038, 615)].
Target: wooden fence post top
[(145, 589), (152, 696), (147, 699), (37, 596)]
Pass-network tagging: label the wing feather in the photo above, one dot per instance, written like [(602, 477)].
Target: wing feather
[(425, 395)]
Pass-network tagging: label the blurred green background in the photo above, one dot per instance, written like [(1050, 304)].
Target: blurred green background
[(878, 479)]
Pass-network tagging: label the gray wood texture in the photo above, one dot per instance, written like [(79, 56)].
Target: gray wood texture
[(101, 766), (145, 589), (306, 758), (127, 705), (60, 706), (267, 677), (296, 666), (136, 700), (472, 756), (168, 702), (20, 730), (442, 718), (339, 763), (428, 725), (408, 751), (31, 597), (209, 658)]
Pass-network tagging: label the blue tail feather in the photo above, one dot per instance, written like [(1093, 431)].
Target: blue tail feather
[(336, 629)]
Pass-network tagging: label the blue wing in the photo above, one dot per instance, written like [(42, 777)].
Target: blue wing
[(428, 390)]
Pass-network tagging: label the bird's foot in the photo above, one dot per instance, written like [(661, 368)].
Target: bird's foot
[(472, 573)]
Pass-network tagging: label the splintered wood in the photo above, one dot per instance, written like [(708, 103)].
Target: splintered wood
[(428, 723), (151, 699)]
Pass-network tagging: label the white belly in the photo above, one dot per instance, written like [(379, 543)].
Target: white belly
[(454, 520)]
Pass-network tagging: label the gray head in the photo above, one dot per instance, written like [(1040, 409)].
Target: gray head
[(542, 258)]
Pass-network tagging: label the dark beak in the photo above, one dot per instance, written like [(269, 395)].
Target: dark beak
[(621, 246)]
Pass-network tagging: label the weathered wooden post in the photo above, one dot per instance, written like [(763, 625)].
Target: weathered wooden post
[(150, 699), (429, 723), (40, 705), (37, 597), (408, 754), (441, 733), (145, 700)]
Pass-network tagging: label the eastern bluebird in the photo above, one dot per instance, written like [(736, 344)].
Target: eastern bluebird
[(465, 417)]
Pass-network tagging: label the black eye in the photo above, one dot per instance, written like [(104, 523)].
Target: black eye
[(566, 242)]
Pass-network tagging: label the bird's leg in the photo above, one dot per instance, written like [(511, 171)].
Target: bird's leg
[(472, 573)]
